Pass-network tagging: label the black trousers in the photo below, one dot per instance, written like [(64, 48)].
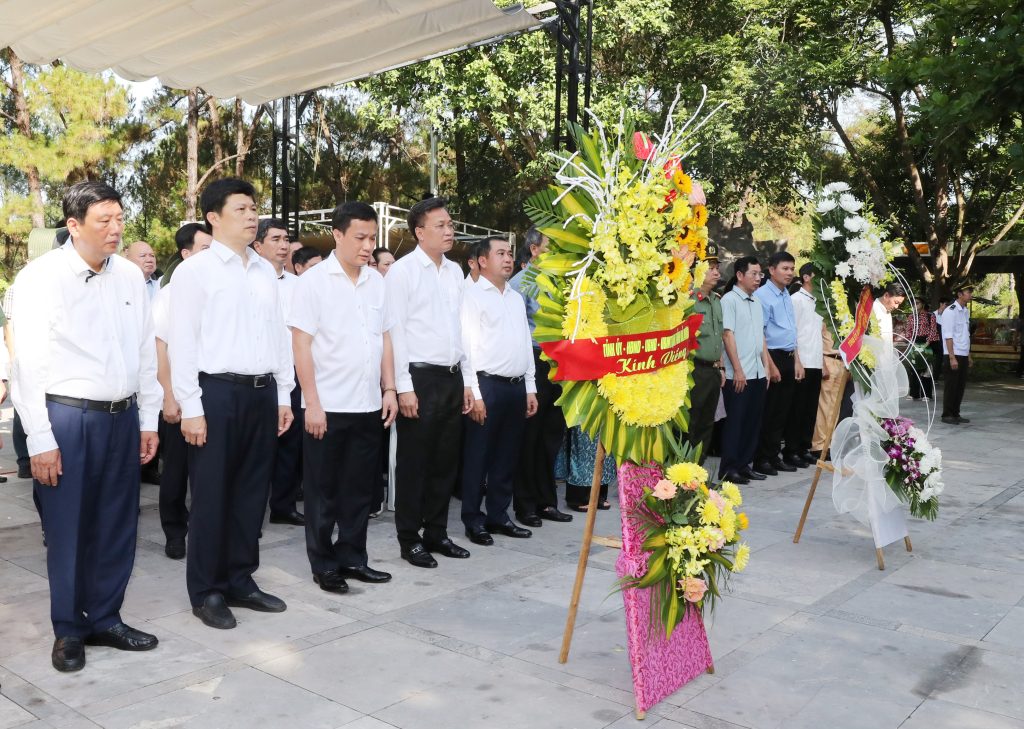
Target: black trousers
[(340, 473), (230, 478), (286, 483), (803, 413), (173, 480), (707, 384), (534, 486), (777, 406), (428, 457), (953, 389), (742, 424), (20, 442), (492, 453)]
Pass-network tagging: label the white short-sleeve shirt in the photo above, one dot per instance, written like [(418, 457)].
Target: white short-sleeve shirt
[(347, 323), (162, 313)]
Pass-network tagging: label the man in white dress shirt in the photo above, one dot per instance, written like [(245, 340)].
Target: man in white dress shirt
[(286, 478), (956, 346), (142, 255), (343, 356), (804, 411), (424, 295), (190, 239), (85, 348), (496, 338), (232, 375)]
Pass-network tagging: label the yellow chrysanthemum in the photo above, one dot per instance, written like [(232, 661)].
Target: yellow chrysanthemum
[(591, 313), (742, 558), (728, 523), (731, 492), (684, 474), (709, 513), (743, 520), (700, 272), (648, 399)]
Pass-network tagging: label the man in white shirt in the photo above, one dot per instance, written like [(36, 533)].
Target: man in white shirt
[(343, 356), (190, 239), (85, 348), (956, 346), (804, 412), (305, 258), (231, 372), (142, 255), (286, 477), (496, 338), (424, 294)]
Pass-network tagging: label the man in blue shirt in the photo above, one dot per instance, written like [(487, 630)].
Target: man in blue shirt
[(784, 368)]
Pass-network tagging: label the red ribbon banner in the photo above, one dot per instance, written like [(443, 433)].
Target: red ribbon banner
[(629, 354), (850, 347)]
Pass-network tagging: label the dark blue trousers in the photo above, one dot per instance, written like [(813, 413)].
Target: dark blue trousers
[(742, 423), (91, 517), (286, 486), (491, 453)]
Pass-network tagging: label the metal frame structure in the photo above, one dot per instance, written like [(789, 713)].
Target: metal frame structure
[(573, 63)]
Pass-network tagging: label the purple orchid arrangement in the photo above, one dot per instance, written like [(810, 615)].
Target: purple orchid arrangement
[(914, 467)]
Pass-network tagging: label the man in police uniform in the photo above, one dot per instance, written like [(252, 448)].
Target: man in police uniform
[(708, 373)]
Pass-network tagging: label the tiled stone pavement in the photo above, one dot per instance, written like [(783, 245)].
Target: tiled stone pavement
[(813, 635)]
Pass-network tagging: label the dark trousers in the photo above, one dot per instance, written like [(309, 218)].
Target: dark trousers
[(20, 442), (742, 424), (953, 389), (230, 478), (91, 517), (173, 481), (777, 406), (534, 486), (707, 383), (428, 457), (920, 385), (937, 358), (286, 482), (340, 473), (803, 413), (492, 453)]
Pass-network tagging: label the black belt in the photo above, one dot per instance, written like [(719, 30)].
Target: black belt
[(834, 356), (107, 406), (705, 363), (785, 352), (500, 378), (446, 369), (249, 380)]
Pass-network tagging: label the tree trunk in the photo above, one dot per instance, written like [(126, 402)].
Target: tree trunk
[(24, 122), (192, 156), (218, 141), (737, 217), (461, 176), (239, 138)]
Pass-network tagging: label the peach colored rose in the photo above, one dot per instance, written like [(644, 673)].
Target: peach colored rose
[(717, 540), (717, 499), (664, 489), (693, 588), (697, 195), (691, 485)]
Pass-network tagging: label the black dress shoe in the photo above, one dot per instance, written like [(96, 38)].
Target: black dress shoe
[(807, 458), (151, 477), (68, 654), (418, 556), (448, 548), (792, 459), (530, 520), (26, 472), (215, 613), (963, 420), (551, 514), (752, 475), (950, 420), (780, 465), (816, 455), (479, 535), (3, 479), (331, 581), (292, 517), (510, 530), (124, 639), (735, 477), (259, 601), (175, 548), (365, 573), (763, 466)]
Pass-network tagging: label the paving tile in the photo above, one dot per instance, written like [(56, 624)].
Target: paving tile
[(554, 586), (156, 595), (15, 515), (25, 625), (934, 714), (15, 580), (986, 680), (12, 715), (1010, 630)]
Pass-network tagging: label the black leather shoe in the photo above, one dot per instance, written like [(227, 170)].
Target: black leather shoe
[(950, 420), (259, 601), (735, 477), (510, 530), (816, 456), (175, 548), (479, 535), (418, 556), (551, 514), (448, 548), (792, 459), (763, 466), (68, 654), (365, 574), (292, 517), (530, 520), (26, 472), (331, 581), (780, 465), (752, 475), (215, 613), (124, 639), (151, 477), (963, 420)]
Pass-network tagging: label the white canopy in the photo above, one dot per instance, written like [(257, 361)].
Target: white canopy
[(257, 49)]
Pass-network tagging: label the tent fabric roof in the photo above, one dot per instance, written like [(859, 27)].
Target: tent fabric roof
[(257, 49)]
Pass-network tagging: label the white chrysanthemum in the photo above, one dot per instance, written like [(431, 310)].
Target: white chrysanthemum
[(862, 273), (920, 441), (855, 245), (829, 233), (855, 223), (826, 205), (843, 270), (931, 460), (836, 187), (926, 493)]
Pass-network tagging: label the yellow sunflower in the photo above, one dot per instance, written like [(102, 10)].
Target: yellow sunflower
[(700, 216), (683, 182), (673, 269)]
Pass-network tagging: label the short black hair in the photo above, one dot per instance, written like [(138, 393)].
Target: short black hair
[(79, 198), (780, 257), (742, 265), (483, 246), (533, 237), (944, 299), (266, 225), (185, 236), (962, 289), (378, 252), (523, 256), (345, 213), (304, 255), (217, 193), (894, 288), (806, 270), (418, 212)]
